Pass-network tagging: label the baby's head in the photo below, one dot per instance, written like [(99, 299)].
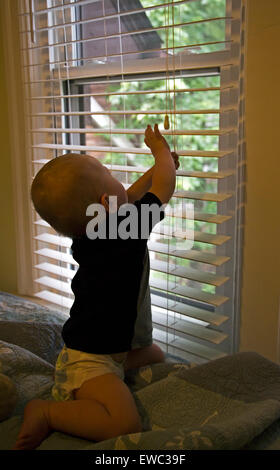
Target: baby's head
[(63, 189)]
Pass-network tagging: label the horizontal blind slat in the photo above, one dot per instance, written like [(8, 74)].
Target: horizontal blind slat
[(130, 150), (129, 112), (137, 169), (203, 237), (42, 223), (189, 292), (54, 284), (54, 298), (189, 311), (57, 240), (188, 273), (199, 216), (215, 197), (41, 11), (115, 130), (194, 174), (124, 93), (57, 270), (187, 345), (57, 255), (194, 255), (185, 327)]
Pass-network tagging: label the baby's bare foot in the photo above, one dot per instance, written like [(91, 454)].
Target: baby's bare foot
[(35, 427)]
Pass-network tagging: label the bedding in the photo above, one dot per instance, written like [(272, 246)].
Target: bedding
[(230, 403)]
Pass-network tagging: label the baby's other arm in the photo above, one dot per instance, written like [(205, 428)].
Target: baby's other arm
[(164, 172), (137, 190)]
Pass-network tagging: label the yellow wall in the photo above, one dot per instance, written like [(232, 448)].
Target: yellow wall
[(261, 276), (8, 271), (260, 290)]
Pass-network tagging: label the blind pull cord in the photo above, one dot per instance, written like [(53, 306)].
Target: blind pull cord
[(31, 20)]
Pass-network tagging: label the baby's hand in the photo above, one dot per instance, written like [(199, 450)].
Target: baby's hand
[(175, 157), (154, 140)]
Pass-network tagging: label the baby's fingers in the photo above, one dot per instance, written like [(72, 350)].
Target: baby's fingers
[(175, 157), (149, 132), (149, 135), (156, 130)]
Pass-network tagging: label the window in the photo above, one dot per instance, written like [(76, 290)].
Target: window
[(96, 73)]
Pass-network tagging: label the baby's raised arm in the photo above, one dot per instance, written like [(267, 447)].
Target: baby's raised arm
[(164, 173)]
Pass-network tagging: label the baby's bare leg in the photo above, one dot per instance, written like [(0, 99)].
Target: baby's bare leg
[(103, 408), (143, 356)]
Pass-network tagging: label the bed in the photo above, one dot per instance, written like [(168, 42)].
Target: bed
[(231, 403)]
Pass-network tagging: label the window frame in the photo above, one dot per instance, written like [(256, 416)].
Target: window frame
[(21, 157)]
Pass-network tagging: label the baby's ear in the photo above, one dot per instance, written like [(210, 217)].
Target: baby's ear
[(104, 200)]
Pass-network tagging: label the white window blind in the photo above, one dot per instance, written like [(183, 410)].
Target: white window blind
[(96, 73)]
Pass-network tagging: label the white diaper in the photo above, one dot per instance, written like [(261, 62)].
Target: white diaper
[(73, 368)]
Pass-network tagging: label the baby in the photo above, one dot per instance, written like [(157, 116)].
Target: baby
[(109, 329)]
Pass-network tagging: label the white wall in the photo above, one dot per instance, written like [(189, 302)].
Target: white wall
[(261, 266)]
